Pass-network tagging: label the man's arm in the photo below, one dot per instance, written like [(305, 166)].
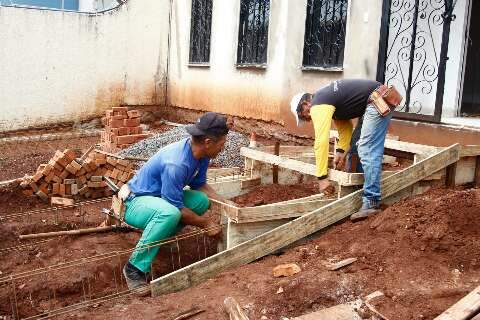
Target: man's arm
[(212, 194), (345, 129)]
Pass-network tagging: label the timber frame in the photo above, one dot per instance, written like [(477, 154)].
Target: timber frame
[(265, 229)]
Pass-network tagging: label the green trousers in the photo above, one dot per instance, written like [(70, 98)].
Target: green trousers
[(159, 220)]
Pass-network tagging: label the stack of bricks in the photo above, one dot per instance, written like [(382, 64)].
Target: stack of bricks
[(122, 129), (75, 178)]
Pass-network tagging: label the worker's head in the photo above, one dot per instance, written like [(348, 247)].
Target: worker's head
[(209, 133), (300, 107)]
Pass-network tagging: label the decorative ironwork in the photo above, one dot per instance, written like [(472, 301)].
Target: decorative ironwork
[(253, 32), (325, 33), (413, 58), (200, 30)]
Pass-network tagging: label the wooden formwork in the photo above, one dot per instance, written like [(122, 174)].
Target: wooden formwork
[(259, 231)]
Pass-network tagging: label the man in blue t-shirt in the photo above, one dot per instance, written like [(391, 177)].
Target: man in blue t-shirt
[(158, 203)]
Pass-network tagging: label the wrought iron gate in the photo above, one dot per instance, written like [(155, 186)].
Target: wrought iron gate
[(413, 54)]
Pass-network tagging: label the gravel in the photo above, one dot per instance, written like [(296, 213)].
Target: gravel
[(229, 157)]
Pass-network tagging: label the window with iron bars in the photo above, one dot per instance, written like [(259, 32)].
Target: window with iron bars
[(253, 32), (200, 30), (325, 25)]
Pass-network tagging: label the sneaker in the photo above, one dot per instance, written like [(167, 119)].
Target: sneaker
[(364, 212), (136, 280)]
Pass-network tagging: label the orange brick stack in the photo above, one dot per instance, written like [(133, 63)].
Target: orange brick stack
[(122, 128), (70, 177)]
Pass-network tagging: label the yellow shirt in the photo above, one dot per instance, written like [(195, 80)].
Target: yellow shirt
[(322, 118)]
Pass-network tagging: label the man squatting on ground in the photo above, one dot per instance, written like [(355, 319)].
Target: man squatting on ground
[(342, 101), (157, 202)]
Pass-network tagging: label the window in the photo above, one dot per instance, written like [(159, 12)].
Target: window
[(325, 33), (253, 32), (200, 30), (56, 4)]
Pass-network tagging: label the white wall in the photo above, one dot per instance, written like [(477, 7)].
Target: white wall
[(257, 93), (63, 66)]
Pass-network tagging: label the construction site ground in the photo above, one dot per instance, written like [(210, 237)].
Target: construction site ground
[(422, 253)]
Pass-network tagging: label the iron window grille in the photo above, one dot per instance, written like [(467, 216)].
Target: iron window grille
[(253, 32), (325, 25), (200, 30)]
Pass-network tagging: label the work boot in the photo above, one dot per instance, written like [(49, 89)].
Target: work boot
[(365, 211), (136, 280)]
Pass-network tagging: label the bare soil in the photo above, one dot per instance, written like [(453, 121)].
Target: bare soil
[(273, 193), (422, 253)]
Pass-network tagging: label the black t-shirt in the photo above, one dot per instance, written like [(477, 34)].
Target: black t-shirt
[(348, 96)]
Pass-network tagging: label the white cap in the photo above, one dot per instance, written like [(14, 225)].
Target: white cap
[(294, 105)]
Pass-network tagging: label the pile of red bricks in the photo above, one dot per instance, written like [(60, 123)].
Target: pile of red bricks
[(122, 128), (70, 177)]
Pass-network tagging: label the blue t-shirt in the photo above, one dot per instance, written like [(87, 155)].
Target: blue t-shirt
[(169, 171)]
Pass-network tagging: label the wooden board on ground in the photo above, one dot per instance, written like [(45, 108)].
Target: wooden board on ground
[(464, 309), (297, 229), (339, 312), (234, 310)]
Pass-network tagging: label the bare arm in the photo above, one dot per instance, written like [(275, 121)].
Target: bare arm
[(191, 218), (212, 194)]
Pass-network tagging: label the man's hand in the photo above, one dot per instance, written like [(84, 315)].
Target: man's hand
[(326, 187), (214, 229), (339, 160)]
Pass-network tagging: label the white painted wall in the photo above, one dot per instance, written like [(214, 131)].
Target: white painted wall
[(258, 93), (64, 66)]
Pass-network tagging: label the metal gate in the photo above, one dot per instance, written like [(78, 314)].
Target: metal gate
[(413, 54)]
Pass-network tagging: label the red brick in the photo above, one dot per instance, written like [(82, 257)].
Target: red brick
[(119, 117), (68, 189), (109, 113), (62, 189), (37, 176), (125, 139), (123, 131), (71, 169), (120, 109), (117, 123), (64, 174), (133, 114), (69, 154), (138, 137), (131, 122), (56, 188)]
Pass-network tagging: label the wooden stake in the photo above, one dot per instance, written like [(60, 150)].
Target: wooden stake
[(477, 172), (275, 167), (234, 310), (451, 172), (67, 233)]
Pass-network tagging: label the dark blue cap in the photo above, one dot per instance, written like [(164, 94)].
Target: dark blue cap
[(210, 124)]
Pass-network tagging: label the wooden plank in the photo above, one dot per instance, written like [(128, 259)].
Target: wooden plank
[(464, 309), (276, 151), (233, 309), (477, 172), (451, 173), (222, 172), (339, 312), (238, 233), (465, 170), (335, 266), (279, 210), (298, 228), (470, 151)]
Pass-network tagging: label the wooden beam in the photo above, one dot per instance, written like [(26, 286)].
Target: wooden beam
[(463, 309), (451, 173), (342, 178), (297, 229), (279, 210), (275, 167), (238, 233), (477, 172), (470, 151), (234, 310)]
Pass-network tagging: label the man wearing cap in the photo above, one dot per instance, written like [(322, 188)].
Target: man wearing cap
[(342, 101), (157, 202)]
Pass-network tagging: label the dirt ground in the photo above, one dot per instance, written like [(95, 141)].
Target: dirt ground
[(273, 193), (422, 253)]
